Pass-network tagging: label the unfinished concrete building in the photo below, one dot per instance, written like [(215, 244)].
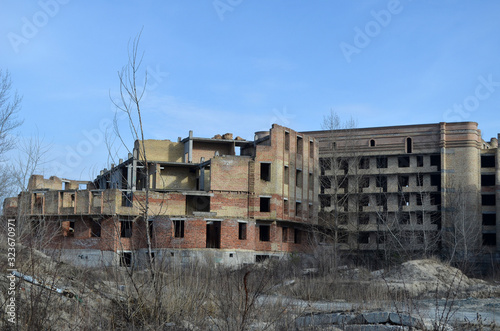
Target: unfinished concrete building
[(220, 199), (431, 188)]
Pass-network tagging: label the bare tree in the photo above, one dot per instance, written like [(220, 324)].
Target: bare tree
[(463, 235), (30, 160), (129, 103), (10, 104), (338, 180)]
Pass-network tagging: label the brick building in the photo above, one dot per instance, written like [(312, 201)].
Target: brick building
[(413, 188), (230, 200)]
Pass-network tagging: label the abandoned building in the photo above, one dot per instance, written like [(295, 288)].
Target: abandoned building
[(412, 188), (222, 199)]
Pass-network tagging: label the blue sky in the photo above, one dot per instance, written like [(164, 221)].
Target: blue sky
[(239, 65)]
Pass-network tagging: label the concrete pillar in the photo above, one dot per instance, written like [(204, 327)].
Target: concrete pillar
[(134, 171), (190, 147)]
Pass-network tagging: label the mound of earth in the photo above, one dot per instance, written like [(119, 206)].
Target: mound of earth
[(428, 278)]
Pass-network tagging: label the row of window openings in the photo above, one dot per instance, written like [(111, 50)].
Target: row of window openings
[(126, 226), (381, 162), (265, 207), (265, 175), (489, 239), (380, 182), (381, 200), (299, 145), (264, 231), (401, 218)]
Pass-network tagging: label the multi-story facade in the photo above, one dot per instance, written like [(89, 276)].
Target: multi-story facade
[(225, 199), (412, 188)]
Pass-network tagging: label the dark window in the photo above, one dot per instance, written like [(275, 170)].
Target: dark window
[(381, 162), (265, 171), (264, 232), (372, 142), (286, 175), (364, 182), (489, 239), (126, 229), (179, 229), (436, 161), (487, 161), (343, 182), (300, 145), (364, 201), (404, 218), (381, 200), (403, 181), (325, 200), (298, 178), (489, 219), (296, 236), (403, 161), (265, 204), (419, 199), (95, 228), (487, 180), (364, 237), (342, 237), (127, 199), (125, 259), (435, 218), (284, 234), (488, 199), (325, 164), (298, 209), (364, 218), (311, 149), (287, 141), (71, 232), (286, 208), (420, 161), (325, 182), (242, 231), (435, 198), (310, 181), (420, 180), (404, 199), (261, 258), (343, 165), (364, 163), (435, 180), (419, 218), (382, 182), (409, 145)]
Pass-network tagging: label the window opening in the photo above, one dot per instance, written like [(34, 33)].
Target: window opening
[(300, 145), (126, 229), (242, 231), (264, 232), (487, 161), (403, 161), (265, 204), (179, 229), (409, 145), (265, 171), (284, 234)]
